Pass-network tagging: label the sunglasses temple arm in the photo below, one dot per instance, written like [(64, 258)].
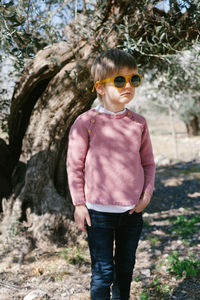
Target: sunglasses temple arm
[(102, 81)]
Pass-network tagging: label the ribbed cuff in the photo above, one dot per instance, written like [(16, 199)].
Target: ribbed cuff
[(76, 203)]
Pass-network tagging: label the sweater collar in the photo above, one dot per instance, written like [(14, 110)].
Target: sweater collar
[(111, 115), (102, 109)]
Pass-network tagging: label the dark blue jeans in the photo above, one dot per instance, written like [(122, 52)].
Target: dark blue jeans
[(113, 265)]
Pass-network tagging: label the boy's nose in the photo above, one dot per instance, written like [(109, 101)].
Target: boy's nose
[(128, 83)]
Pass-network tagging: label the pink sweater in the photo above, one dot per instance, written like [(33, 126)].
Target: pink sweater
[(110, 159)]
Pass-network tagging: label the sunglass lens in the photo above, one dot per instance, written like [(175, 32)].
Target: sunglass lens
[(135, 80), (119, 81)]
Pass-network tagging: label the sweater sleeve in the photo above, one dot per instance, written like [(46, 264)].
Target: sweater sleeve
[(76, 154), (147, 160)]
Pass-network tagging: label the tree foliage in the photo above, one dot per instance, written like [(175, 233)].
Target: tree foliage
[(139, 26), (28, 26), (146, 31), (177, 87)]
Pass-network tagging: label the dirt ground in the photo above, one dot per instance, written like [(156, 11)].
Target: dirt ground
[(168, 250)]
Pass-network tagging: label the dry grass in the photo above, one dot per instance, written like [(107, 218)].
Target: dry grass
[(163, 143)]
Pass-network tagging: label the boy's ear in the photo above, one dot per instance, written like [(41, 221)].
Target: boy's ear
[(100, 89)]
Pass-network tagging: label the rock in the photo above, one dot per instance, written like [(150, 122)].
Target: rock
[(158, 252), (146, 272), (4, 295), (64, 295), (37, 294)]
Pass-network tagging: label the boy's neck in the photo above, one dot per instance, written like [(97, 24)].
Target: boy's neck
[(114, 108)]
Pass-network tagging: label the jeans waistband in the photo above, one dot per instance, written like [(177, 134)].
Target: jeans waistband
[(110, 213)]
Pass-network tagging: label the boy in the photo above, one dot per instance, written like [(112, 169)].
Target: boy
[(111, 174)]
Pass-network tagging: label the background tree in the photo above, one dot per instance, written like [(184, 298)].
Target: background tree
[(178, 88), (55, 88), (175, 91)]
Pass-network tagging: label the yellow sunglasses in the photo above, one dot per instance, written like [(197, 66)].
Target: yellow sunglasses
[(120, 81)]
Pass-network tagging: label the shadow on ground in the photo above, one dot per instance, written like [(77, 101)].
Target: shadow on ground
[(176, 186), (172, 223)]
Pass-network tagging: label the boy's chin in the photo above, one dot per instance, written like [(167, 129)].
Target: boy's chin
[(126, 100)]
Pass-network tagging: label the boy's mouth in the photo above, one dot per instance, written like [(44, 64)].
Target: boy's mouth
[(126, 94)]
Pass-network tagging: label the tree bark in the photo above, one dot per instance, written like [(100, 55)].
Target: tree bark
[(173, 130), (5, 170), (193, 128), (46, 101)]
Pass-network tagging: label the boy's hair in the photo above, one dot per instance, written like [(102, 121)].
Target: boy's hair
[(110, 62)]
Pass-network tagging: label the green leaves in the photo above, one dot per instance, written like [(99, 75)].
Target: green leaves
[(28, 26), (188, 267), (185, 227), (14, 38)]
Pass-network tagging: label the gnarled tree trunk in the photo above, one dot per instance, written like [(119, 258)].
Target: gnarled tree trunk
[(46, 101)]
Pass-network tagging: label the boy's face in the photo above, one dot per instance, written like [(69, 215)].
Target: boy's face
[(113, 98)]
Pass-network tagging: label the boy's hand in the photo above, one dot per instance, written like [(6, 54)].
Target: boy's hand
[(81, 215), (143, 202)]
